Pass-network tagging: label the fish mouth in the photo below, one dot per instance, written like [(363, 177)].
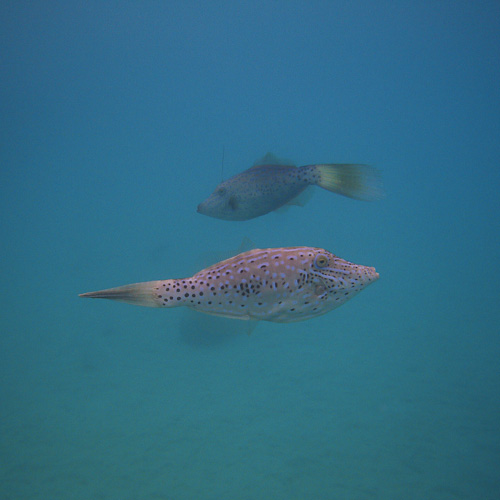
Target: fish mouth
[(374, 273), (361, 275), (371, 274)]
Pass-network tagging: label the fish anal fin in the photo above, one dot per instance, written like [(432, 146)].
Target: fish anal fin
[(249, 323), (250, 326), (301, 199)]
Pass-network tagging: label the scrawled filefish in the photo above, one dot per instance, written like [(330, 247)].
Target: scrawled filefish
[(267, 187), (274, 284)]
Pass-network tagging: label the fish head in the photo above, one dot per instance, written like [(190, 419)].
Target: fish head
[(335, 280), (223, 203)]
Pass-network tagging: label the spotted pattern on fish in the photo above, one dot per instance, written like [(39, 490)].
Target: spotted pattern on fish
[(264, 188), (275, 284)]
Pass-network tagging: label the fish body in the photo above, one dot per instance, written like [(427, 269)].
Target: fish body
[(275, 284), (264, 188)]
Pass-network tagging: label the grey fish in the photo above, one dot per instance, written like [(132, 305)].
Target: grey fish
[(264, 188), (275, 284)]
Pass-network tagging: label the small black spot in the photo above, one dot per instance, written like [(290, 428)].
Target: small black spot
[(201, 294), (178, 298), (186, 295)]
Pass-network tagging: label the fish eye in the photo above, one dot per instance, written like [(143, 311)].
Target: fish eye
[(320, 261), (221, 191)]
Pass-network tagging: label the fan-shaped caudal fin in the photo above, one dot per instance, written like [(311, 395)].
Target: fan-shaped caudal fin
[(361, 182)]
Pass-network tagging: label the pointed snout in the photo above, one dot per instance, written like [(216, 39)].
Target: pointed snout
[(371, 274)]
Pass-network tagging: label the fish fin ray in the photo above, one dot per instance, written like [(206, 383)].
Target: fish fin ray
[(139, 294), (361, 182), (302, 198)]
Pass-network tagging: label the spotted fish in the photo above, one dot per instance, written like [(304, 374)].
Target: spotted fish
[(267, 187), (275, 284)]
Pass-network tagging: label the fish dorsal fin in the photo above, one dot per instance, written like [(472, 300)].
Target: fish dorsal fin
[(245, 245), (272, 159), (212, 258), (222, 262)]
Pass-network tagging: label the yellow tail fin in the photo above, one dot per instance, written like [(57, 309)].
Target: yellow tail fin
[(361, 182)]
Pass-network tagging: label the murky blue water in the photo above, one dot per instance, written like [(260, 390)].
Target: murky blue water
[(113, 120)]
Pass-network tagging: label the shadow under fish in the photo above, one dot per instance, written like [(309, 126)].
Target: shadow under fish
[(202, 331), (269, 185)]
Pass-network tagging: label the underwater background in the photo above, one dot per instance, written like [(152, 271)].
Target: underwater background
[(114, 118)]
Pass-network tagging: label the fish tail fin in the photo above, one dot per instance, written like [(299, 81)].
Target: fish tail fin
[(361, 182), (147, 294)]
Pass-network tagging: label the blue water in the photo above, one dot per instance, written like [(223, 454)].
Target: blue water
[(113, 120)]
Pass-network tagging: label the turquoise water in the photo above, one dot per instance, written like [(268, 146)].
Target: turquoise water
[(113, 121)]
